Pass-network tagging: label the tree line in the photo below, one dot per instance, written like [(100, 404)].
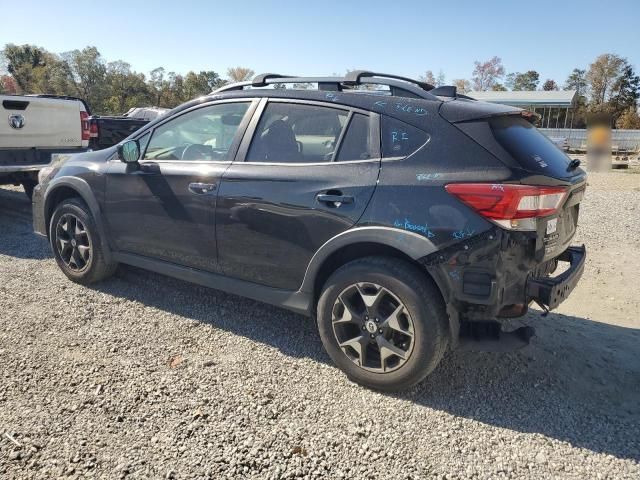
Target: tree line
[(108, 87), (609, 85)]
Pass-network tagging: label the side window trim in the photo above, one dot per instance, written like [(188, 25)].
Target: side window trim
[(338, 146), (233, 149), (374, 131)]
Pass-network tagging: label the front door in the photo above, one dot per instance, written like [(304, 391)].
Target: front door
[(308, 174), (164, 206)]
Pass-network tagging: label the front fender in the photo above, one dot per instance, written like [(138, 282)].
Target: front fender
[(82, 188), (412, 244)]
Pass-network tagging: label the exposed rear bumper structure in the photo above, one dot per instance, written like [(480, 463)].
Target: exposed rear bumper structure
[(552, 291)]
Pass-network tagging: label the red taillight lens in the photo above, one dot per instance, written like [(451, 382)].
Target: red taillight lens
[(511, 206), (93, 128), (84, 122)]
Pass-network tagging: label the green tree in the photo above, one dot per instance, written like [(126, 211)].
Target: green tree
[(625, 92), (88, 74), (577, 80), (523, 81)]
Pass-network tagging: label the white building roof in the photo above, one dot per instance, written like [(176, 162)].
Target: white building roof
[(535, 98)]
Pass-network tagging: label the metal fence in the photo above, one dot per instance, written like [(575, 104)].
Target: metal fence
[(624, 139)]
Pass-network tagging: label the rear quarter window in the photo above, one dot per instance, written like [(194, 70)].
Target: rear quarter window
[(400, 139), (530, 148)]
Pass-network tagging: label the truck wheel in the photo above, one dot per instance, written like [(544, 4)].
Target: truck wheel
[(76, 243), (383, 322), (28, 186)]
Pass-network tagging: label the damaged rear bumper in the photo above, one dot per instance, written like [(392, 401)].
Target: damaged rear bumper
[(552, 291)]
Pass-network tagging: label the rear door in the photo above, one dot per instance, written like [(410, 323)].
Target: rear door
[(305, 172), (32, 122)]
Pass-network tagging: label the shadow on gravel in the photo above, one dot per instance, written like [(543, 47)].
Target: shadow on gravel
[(16, 230), (578, 381)]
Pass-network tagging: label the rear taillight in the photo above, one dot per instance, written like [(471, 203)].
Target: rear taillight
[(93, 128), (515, 207), (84, 123)]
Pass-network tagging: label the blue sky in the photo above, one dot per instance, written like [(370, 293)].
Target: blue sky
[(321, 38)]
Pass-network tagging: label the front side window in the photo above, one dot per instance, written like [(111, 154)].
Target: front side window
[(296, 133), (203, 134)]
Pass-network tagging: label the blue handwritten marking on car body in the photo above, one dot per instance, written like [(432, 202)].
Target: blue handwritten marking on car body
[(407, 225), (427, 176), (464, 233), (454, 274), (497, 186), (407, 108)]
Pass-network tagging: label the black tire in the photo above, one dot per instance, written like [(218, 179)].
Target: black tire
[(90, 265), (28, 186), (424, 315)]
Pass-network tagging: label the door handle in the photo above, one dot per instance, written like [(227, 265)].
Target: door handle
[(202, 188), (334, 200)]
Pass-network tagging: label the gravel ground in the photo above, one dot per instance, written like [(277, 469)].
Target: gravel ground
[(144, 376)]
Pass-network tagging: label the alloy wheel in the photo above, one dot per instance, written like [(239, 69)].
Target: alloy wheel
[(373, 327), (73, 242)]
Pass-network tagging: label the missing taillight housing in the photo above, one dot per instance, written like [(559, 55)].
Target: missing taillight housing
[(84, 123), (514, 207)]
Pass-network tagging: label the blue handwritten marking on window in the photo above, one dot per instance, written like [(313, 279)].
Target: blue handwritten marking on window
[(407, 225), (380, 104), (399, 136), (331, 96), (464, 233), (427, 176)]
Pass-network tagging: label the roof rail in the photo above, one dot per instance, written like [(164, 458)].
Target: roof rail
[(355, 78), (397, 85)]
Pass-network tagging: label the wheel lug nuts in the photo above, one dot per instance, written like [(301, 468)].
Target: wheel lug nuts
[(377, 320), (373, 336), (363, 327), (380, 331)]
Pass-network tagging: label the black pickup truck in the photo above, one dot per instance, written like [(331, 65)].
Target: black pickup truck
[(106, 131)]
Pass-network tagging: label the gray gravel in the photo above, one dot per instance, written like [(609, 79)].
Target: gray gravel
[(144, 376)]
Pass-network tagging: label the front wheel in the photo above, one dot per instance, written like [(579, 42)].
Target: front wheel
[(383, 322), (76, 243)]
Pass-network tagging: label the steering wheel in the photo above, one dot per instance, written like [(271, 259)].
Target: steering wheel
[(196, 151)]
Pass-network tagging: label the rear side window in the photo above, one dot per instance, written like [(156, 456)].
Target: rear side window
[(400, 139), (530, 148), (356, 142), (296, 133)]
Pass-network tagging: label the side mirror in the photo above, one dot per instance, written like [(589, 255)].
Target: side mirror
[(129, 152)]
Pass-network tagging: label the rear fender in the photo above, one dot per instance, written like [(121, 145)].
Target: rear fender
[(411, 244)]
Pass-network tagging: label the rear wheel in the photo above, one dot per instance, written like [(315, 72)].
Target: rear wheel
[(76, 243), (383, 322)]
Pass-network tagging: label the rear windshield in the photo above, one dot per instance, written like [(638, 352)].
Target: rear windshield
[(530, 148)]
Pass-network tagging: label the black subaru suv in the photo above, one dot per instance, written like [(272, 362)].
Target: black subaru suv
[(406, 219)]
